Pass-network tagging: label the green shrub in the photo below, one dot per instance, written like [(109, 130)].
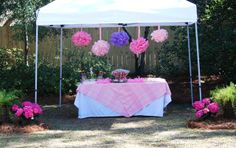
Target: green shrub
[(227, 98), (14, 74), (226, 94), (169, 61), (10, 57), (78, 62), (7, 98)]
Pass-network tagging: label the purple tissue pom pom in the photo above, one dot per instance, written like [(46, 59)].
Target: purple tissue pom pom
[(119, 39)]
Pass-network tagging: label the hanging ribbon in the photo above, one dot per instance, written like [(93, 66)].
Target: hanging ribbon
[(100, 33), (118, 29), (139, 30), (81, 28)]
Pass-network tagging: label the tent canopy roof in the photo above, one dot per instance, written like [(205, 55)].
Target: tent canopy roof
[(114, 13)]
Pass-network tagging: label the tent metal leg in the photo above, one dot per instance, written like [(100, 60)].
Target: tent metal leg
[(36, 66), (198, 63), (190, 65), (60, 87)]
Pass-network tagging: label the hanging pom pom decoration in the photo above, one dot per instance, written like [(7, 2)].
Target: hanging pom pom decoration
[(159, 35), (101, 47), (81, 38), (140, 45), (119, 39)]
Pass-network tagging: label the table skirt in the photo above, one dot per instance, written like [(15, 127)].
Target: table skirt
[(88, 107)]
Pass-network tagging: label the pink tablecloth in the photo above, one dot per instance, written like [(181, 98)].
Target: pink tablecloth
[(125, 98)]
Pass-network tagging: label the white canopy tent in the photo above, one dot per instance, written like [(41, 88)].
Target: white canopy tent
[(116, 13)]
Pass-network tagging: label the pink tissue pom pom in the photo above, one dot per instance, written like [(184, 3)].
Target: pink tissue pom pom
[(19, 112), (100, 48), (139, 46), (199, 113), (14, 107), (206, 101), (213, 107), (26, 103), (159, 35), (81, 39), (198, 105)]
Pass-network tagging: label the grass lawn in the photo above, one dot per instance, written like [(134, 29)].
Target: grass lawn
[(169, 131)]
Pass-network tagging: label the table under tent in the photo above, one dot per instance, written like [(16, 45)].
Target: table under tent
[(117, 13)]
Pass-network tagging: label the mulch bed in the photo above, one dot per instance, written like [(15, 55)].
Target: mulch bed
[(8, 128), (215, 123)]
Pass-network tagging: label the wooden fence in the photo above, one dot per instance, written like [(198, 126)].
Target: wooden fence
[(49, 47)]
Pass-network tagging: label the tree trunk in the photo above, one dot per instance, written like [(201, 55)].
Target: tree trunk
[(136, 64), (26, 50), (228, 110), (141, 66)]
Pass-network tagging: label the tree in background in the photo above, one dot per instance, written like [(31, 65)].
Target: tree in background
[(217, 24), (217, 39), (23, 14)]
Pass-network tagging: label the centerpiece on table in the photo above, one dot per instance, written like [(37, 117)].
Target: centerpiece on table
[(120, 75)]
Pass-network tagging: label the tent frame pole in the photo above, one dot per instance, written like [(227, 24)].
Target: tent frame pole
[(60, 83), (36, 66), (190, 65), (198, 63)]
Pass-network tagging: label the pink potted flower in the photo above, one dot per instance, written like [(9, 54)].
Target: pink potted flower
[(19, 112), (206, 101), (14, 107), (26, 103), (213, 107), (205, 108), (27, 111), (199, 113), (37, 109), (198, 105)]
